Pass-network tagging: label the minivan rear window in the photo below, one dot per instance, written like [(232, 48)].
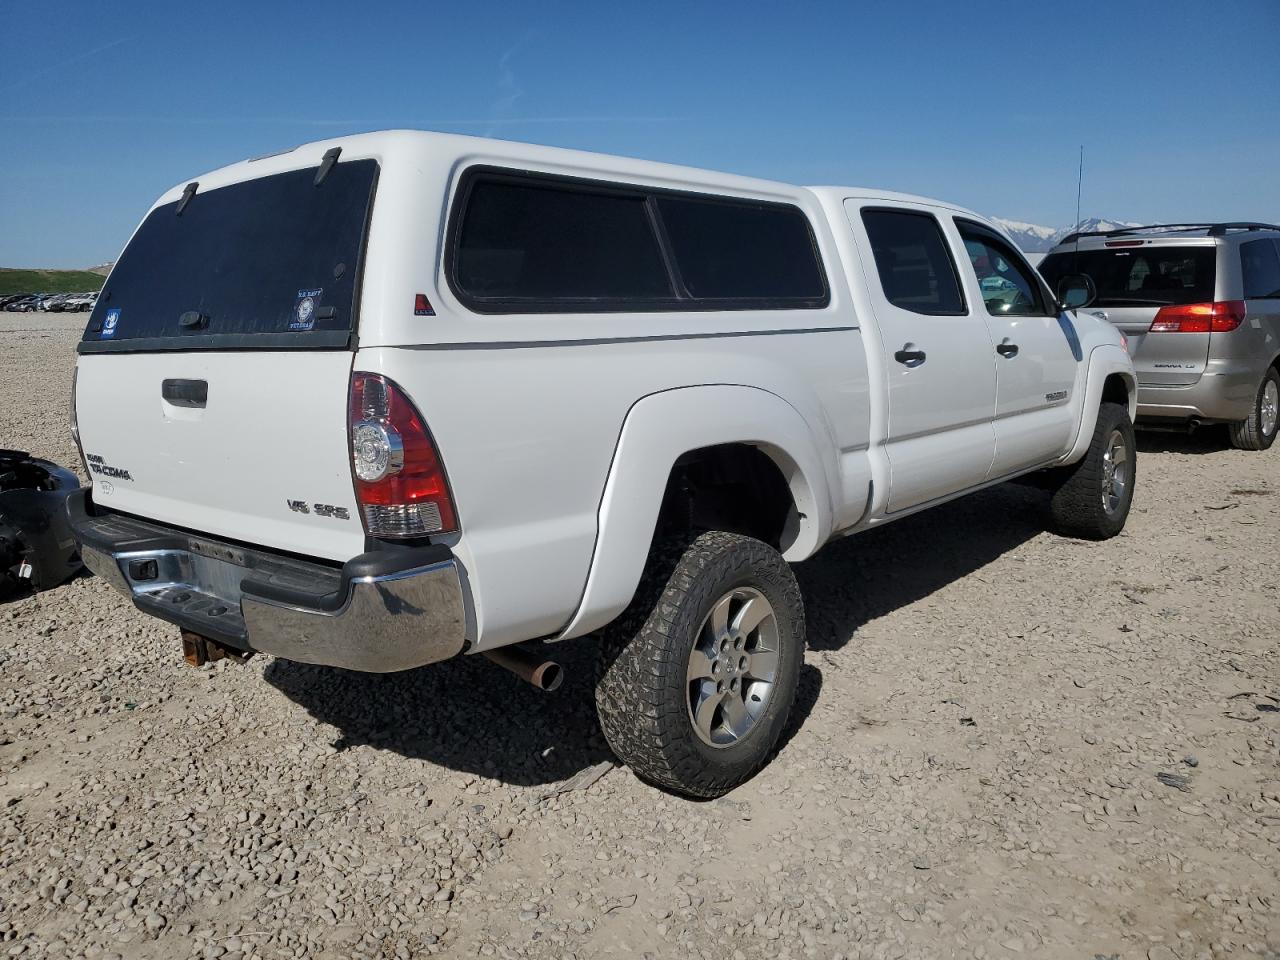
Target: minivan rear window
[(273, 262), (1139, 277)]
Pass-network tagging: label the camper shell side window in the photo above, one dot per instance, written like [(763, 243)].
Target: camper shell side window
[(522, 242)]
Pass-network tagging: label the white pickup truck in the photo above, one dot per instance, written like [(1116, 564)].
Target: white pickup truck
[(381, 400)]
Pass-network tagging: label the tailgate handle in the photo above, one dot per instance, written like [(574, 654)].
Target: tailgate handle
[(185, 393)]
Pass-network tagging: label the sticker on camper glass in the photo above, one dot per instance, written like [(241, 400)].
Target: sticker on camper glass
[(304, 310), (110, 322)]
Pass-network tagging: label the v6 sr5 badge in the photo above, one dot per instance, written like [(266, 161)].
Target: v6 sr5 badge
[(319, 509)]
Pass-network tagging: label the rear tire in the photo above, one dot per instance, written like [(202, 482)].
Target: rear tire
[(1091, 499), (693, 690), (1258, 432)]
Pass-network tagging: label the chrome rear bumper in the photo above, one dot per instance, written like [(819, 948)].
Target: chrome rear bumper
[(379, 613), (391, 622)]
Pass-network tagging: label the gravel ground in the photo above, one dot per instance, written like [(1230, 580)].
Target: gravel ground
[(1006, 744)]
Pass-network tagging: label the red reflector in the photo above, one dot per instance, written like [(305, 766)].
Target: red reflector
[(1221, 317), (1125, 243), (422, 306)]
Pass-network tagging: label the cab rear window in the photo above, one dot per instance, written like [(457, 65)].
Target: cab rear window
[(273, 262), (1139, 277)]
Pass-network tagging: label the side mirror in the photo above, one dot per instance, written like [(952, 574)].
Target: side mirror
[(1076, 290)]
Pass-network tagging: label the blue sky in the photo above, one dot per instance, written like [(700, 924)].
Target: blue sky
[(104, 105)]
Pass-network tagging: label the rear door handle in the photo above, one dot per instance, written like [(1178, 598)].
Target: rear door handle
[(910, 355), (185, 393), (1007, 349)]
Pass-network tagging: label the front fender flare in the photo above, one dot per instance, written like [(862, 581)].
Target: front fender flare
[(657, 431), (1104, 361)]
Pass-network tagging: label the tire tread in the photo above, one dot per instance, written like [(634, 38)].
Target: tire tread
[(1075, 505), (645, 726), (1247, 434)]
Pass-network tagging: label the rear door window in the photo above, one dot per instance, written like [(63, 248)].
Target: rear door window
[(273, 262), (1260, 264), (1154, 276), (914, 262)]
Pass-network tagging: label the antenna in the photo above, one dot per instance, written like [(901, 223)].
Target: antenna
[(1075, 252), (1079, 185)]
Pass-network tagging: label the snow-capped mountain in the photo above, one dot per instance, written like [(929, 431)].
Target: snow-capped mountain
[(1033, 238)]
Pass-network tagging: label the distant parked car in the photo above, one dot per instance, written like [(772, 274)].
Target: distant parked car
[(1200, 304), (12, 298), (79, 302), (24, 304)]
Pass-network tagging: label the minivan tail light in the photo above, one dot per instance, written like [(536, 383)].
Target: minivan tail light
[(1221, 317), (399, 478)]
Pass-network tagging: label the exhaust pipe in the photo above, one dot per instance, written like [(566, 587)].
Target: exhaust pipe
[(546, 675)]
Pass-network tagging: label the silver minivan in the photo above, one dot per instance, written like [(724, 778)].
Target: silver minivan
[(1200, 304)]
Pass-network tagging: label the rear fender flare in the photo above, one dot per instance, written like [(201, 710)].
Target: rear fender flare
[(657, 431)]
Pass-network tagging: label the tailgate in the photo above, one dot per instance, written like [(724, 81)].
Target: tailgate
[(251, 445), (214, 371)]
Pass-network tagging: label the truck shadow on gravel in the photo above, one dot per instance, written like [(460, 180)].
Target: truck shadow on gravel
[(469, 715), (1209, 439), (862, 578)]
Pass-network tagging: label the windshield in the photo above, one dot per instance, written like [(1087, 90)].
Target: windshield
[(1130, 277), (273, 262)]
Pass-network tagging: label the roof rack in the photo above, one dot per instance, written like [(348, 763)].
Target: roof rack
[(1214, 229), (1220, 229)]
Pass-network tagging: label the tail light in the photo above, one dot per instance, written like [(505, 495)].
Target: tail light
[(1221, 317), (400, 481)]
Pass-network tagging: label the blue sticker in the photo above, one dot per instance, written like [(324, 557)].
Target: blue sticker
[(304, 309), (110, 322)]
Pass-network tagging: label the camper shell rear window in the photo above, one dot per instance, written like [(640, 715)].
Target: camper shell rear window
[(274, 262)]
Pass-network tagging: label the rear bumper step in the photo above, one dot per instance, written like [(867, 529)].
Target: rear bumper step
[(380, 612)]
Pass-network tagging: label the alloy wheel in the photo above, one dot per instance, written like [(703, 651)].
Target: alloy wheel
[(733, 667)]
